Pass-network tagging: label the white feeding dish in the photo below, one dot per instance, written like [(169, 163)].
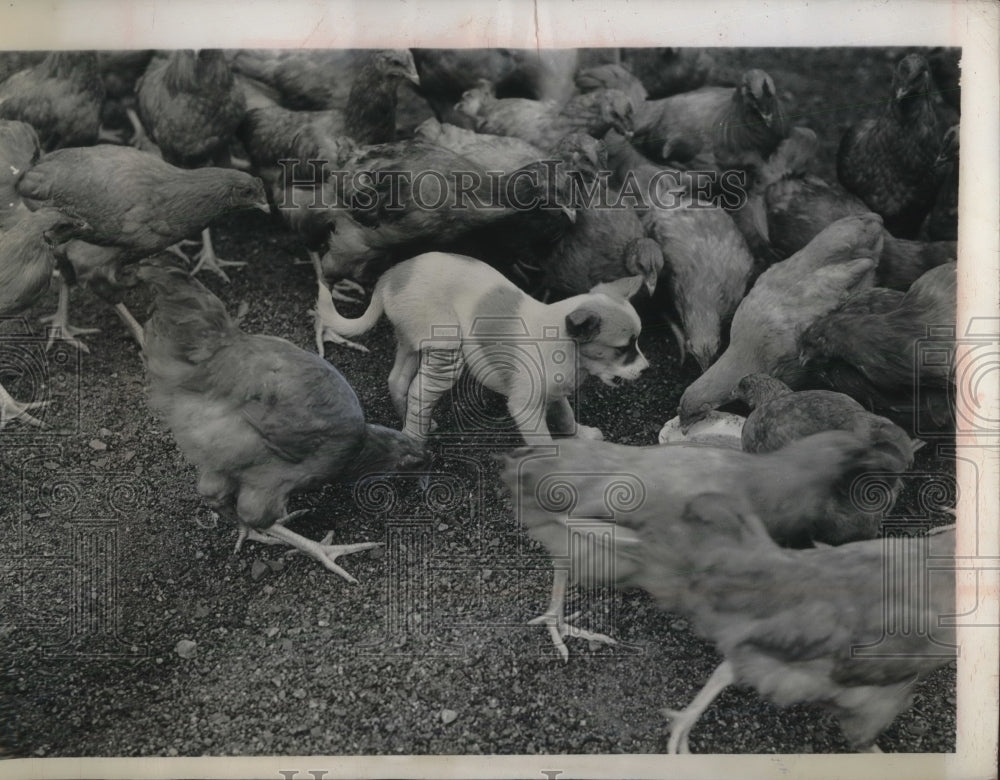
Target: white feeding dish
[(720, 429)]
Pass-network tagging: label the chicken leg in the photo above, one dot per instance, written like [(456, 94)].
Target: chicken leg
[(59, 327), (559, 626), (682, 721), (208, 260), (322, 551), (14, 410)]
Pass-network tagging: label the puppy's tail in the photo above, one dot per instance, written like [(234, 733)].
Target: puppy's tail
[(343, 326)]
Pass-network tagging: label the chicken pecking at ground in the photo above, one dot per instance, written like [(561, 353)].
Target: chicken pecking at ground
[(706, 263), (260, 418), (888, 161), (134, 204), (27, 261), (600, 508), (784, 301), (61, 98), (190, 105), (868, 348), (833, 625), (543, 123), (788, 206)]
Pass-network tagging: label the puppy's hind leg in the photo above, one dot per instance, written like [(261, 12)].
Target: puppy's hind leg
[(401, 377), (438, 372)]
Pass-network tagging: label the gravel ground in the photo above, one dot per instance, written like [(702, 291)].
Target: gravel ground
[(430, 653)]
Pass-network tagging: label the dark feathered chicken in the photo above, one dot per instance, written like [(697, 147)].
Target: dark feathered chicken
[(854, 627), (190, 105), (942, 221), (135, 204), (785, 300), (19, 150), (668, 71), (888, 162), (120, 71), (872, 355), (788, 207), (304, 79), (27, 261), (599, 508), (260, 418), (61, 98), (545, 123), (780, 416)]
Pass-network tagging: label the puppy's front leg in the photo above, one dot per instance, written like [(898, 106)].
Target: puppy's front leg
[(439, 370), (562, 422)]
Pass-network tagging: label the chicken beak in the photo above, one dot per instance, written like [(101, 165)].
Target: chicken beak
[(767, 117), (412, 77), (570, 213), (651, 284), (803, 359), (263, 206)]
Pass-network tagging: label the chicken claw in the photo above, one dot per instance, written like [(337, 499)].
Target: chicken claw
[(682, 721), (325, 333), (208, 260), (322, 551), (59, 327), (14, 410), (558, 625)]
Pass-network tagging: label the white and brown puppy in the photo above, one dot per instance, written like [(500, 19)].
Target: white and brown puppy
[(452, 312)]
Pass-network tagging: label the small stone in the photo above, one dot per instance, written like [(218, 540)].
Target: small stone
[(443, 527), (127, 456), (186, 648), (448, 716), (323, 623), (97, 444), (105, 433), (679, 625), (286, 645), (272, 632), (494, 702), (299, 693), (199, 555), (258, 570)]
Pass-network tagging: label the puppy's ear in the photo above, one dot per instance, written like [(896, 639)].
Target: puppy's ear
[(621, 288), (583, 324)]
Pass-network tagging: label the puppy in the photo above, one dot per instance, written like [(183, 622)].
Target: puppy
[(452, 312)]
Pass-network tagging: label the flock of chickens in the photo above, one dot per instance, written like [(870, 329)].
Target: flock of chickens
[(804, 300)]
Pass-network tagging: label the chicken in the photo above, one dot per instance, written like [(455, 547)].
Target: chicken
[(27, 261), (827, 626), (707, 264), (19, 150), (785, 300), (545, 123), (625, 500), (490, 152), (888, 161), (275, 133), (61, 98), (191, 106), (120, 71), (781, 416), (788, 207), (615, 76), (134, 204), (873, 355), (260, 418), (540, 74), (304, 79), (717, 126), (942, 221), (604, 243)]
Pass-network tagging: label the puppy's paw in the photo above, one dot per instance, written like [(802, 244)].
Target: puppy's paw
[(589, 432)]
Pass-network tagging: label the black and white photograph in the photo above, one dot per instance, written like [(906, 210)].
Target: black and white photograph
[(498, 390)]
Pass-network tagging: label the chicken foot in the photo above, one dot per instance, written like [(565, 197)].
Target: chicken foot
[(209, 261), (340, 290), (324, 303), (59, 327), (682, 721), (559, 625), (14, 410), (322, 551)]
